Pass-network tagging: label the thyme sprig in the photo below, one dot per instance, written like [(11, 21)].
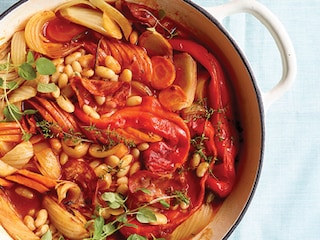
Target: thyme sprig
[(198, 142), (47, 130), (161, 15), (111, 136)]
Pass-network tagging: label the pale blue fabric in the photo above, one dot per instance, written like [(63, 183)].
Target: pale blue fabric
[(286, 204)]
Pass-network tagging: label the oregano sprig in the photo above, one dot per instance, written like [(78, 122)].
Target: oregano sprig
[(143, 214), (27, 71)]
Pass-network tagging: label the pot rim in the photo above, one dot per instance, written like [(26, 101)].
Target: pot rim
[(255, 86), (260, 103)]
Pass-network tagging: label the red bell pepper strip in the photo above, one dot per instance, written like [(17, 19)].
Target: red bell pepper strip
[(222, 175), (164, 156)]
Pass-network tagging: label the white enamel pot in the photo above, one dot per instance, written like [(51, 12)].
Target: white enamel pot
[(251, 102)]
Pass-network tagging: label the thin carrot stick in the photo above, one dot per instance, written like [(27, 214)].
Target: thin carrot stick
[(28, 183), (44, 180), (12, 131), (5, 183), (8, 125), (11, 138)]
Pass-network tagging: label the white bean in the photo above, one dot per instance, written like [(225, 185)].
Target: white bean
[(65, 104)]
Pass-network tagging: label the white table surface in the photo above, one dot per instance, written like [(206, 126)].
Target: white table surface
[(286, 204)]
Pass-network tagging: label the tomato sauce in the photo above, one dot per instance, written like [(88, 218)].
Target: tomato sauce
[(24, 205), (62, 31)]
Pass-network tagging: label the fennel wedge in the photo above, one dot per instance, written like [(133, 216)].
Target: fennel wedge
[(92, 19), (11, 222)]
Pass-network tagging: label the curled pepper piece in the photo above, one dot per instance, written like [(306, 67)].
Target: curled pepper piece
[(163, 156), (222, 176)]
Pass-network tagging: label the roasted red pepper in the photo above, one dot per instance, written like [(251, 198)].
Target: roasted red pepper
[(222, 175), (163, 156)]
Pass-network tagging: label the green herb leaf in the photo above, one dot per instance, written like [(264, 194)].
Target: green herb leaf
[(45, 66), (46, 87), (130, 225), (114, 200), (26, 71), (144, 190), (136, 237), (30, 58), (4, 66), (145, 215), (122, 218), (47, 236), (26, 136), (8, 85), (161, 14), (98, 227), (182, 197), (29, 112), (164, 203), (109, 229), (12, 113)]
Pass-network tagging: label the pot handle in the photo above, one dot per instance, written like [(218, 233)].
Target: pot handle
[(278, 32)]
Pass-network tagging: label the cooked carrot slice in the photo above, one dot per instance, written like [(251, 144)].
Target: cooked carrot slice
[(11, 138), (173, 98), (8, 125), (5, 183), (13, 131), (46, 181), (164, 72), (28, 183)]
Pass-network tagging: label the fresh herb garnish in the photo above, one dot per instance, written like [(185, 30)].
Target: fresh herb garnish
[(46, 87), (161, 15), (48, 131), (27, 71), (198, 142), (143, 214), (111, 135)]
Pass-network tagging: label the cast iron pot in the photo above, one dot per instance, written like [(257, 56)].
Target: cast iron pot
[(251, 102)]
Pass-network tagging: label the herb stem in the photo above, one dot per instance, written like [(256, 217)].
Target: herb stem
[(7, 99)]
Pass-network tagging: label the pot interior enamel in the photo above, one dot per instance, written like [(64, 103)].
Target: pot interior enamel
[(247, 97)]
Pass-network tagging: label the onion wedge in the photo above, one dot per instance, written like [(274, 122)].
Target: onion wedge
[(11, 222), (155, 43), (36, 41), (6, 169), (186, 75), (70, 225), (73, 3), (115, 15), (19, 155)]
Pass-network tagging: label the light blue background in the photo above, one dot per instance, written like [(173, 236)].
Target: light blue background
[(286, 204)]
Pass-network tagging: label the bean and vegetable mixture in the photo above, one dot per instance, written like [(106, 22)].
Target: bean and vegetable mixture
[(115, 124)]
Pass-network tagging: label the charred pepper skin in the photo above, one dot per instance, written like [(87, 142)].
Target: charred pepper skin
[(223, 130)]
